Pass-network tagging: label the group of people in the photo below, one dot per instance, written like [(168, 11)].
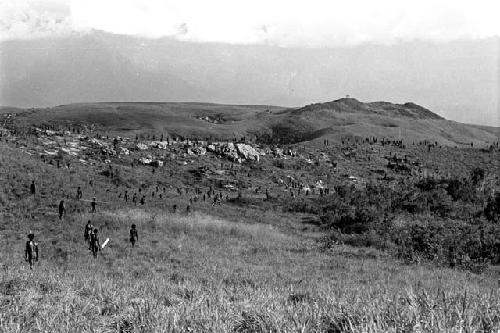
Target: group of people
[(90, 235)]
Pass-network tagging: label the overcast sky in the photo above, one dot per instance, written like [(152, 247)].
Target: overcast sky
[(310, 23)]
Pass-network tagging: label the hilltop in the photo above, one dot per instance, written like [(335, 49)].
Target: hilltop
[(346, 117)]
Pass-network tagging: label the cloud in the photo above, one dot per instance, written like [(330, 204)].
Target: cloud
[(23, 19), (311, 23)]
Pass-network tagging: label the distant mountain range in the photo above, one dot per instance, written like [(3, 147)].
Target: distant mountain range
[(459, 80)]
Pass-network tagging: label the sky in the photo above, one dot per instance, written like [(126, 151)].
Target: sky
[(285, 23)]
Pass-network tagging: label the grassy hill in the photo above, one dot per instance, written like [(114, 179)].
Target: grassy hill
[(335, 120), (285, 261), (222, 269)]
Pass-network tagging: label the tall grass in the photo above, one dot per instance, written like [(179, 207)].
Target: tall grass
[(204, 274)]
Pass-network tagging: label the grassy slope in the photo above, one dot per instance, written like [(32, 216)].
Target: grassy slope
[(181, 119), (216, 271)]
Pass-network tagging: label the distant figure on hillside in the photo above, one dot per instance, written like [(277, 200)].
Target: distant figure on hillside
[(92, 205), (126, 196), (33, 188), (174, 208), (134, 199), (95, 246), (188, 209), (143, 200), (134, 237), (88, 232), (62, 209), (79, 193), (31, 250)]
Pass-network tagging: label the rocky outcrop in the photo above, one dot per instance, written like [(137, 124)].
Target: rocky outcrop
[(247, 152)]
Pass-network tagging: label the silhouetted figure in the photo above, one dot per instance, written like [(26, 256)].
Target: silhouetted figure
[(93, 205), (88, 232), (79, 193), (134, 237), (126, 196), (143, 200), (95, 246), (62, 209), (33, 188), (31, 250), (134, 199)]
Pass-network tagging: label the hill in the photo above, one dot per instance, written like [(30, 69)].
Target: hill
[(342, 118), (350, 236)]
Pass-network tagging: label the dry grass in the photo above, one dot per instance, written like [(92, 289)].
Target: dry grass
[(204, 274), (235, 269)]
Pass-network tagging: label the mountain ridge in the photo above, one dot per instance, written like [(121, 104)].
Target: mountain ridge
[(332, 120)]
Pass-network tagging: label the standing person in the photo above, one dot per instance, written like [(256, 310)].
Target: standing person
[(31, 250), (134, 237), (92, 205), (95, 246), (143, 200), (134, 199), (126, 196), (33, 188), (79, 193), (62, 209), (88, 232)]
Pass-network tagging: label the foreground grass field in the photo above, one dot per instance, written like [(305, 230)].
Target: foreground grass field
[(204, 274), (243, 266)]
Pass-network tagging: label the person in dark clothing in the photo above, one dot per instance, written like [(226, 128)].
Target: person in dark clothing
[(33, 188), (134, 199), (88, 232), (62, 209), (143, 200), (126, 196), (134, 237), (79, 193), (31, 250), (95, 246), (92, 205)]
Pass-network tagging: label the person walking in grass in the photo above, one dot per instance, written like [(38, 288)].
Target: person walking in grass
[(33, 188), (88, 232), (95, 246), (134, 237), (31, 250), (93, 205), (79, 193), (62, 209)]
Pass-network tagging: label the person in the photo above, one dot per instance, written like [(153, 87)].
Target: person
[(92, 205), (31, 250), (62, 209), (126, 196), (95, 246), (33, 188), (79, 193), (134, 237), (88, 232), (134, 199), (175, 208), (143, 200), (188, 209)]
